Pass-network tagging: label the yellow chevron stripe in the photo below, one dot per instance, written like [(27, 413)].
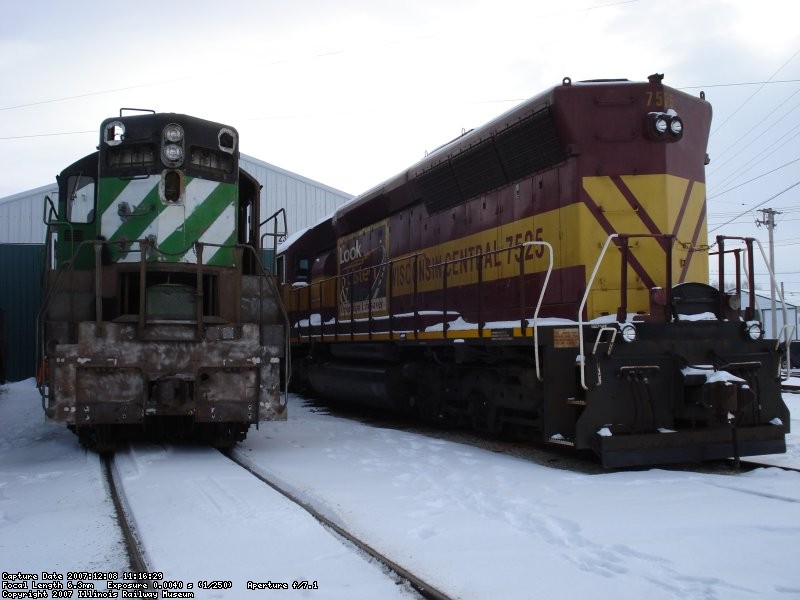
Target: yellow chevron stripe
[(661, 196)]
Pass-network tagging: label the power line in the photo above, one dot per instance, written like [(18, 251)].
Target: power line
[(322, 54), (764, 155), (754, 179), (794, 185), (36, 135), (753, 95), (741, 83), (763, 132)]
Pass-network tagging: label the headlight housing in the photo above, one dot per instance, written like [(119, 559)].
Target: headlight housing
[(628, 332), (172, 145), (754, 330), (664, 126), (734, 301), (173, 153), (173, 133)]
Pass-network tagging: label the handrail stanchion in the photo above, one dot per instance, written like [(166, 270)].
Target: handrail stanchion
[(416, 289), (98, 286), (589, 283), (481, 320), (444, 299), (523, 320), (784, 330), (389, 297), (143, 248), (539, 304)]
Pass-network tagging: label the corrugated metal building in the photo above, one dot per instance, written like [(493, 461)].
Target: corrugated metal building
[(304, 200), (21, 216)]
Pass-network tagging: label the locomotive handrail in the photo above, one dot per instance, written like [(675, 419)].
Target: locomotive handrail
[(785, 333), (539, 304), (67, 266), (589, 283), (141, 318), (50, 222), (275, 234), (750, 311), (622, 310), (265, 275), (344, 282), (605, 329)]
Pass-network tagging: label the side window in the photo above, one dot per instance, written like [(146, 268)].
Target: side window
[(303, 269), (80, 203)]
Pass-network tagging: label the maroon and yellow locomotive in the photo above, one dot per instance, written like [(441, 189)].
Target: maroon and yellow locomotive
[(546, 272)]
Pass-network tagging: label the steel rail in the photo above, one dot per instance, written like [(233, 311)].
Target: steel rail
[(136, 555), (422, 587)]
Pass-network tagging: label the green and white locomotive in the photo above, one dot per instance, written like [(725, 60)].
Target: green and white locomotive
[(159, 314)]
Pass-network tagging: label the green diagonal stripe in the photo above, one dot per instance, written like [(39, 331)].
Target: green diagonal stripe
[(224, 256), (110, 189), (200, 220)]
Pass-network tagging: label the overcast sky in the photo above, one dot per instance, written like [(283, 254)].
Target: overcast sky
[(350, 92)]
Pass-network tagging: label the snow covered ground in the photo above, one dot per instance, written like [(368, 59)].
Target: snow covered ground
[(247, 532), (476, 524), (55, 513)]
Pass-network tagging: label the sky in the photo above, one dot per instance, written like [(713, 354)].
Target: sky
[(351, 92), (473, 522)]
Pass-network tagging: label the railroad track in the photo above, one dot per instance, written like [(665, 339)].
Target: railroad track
[(140, 562), (423, 588), (754, 464), (136, 556)]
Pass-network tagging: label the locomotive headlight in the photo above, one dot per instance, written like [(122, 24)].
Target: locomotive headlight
[(754, 331), (173, 133), (628, 333), (664, 126), (173, 153)]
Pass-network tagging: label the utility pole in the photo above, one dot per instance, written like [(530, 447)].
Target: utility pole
[(768, 220)]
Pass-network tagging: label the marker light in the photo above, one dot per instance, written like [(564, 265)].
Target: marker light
[(227, 140), (114, 133), (676, 126)]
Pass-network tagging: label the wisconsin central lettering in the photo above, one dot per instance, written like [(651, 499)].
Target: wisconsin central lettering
[(460, 266)]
